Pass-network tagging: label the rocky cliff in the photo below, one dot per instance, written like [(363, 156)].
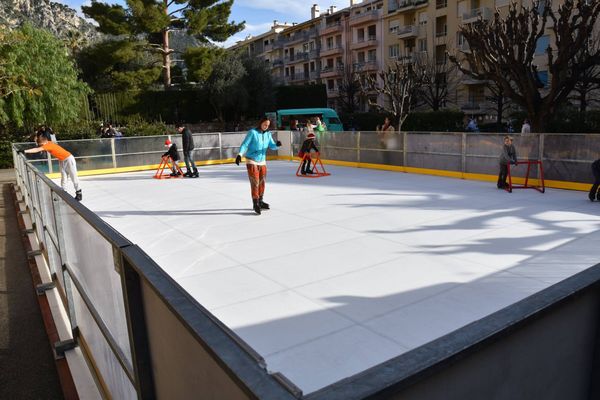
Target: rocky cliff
[(57, 18)]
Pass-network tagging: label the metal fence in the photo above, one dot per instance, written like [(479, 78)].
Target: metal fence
[(566, 157), (144, 336)]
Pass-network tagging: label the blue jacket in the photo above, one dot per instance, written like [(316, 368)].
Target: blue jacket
[(256, 143)]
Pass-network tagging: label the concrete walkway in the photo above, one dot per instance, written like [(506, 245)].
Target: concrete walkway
[(27, 368)]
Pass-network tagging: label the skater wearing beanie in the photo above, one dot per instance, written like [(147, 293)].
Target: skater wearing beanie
[(254, 148), (595, 190), (174, 154), (509, 155), (307, 146), (66, 162)]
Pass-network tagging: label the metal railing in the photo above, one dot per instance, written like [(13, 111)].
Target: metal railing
[(109, 286)]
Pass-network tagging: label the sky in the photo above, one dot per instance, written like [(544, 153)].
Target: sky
[(258, 14)]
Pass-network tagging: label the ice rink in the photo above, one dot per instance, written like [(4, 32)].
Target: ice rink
[(347, 271)]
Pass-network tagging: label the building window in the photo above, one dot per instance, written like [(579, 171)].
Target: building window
[(312, 66), (360, 35), (330, 84), (394, 25), (541, 45), (372, 32), (360, 57), (330, 42), (394, 50), (372, 55), (423, 45)]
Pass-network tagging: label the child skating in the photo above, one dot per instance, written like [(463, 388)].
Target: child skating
[(66, 162), (307, 146), (174, 154), (508, 156)]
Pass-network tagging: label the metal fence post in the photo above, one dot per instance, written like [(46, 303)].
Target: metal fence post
[(113, 153), (62, 253), (138, 331), (463, 153), (220, 147), (404, 148), (50, 169), (358, 147)]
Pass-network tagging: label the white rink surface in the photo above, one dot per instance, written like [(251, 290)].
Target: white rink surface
[(348, 271)]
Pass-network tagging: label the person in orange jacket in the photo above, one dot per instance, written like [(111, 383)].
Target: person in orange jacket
[(66, 162)]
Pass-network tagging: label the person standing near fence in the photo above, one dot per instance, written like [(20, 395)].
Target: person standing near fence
[(508, 156), (254, 147), (66, 162), (595, 190), (188, 149)]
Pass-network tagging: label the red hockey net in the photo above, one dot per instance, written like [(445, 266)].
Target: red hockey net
[(528, 180)]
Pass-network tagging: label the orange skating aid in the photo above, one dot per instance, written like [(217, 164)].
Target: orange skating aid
[(318, 170), (167, 163)]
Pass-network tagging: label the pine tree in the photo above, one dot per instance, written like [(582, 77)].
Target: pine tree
[(207, 20)]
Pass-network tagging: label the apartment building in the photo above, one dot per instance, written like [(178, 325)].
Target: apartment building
[(367, 36), (268, 47)]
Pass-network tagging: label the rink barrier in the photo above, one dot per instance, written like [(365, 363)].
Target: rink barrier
[(143, 336), (473, 156)]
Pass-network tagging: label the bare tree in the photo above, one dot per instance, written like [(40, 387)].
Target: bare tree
[(439, 81), (350, 89), (498, 99), (398, 85), (587, 88), (503, 51)]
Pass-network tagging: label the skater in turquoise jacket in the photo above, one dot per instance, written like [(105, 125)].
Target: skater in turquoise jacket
[(254, 147)]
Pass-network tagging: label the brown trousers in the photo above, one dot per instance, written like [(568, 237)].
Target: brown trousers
[(257, 175)]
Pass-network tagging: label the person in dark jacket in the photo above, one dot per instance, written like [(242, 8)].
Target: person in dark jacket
[(595, 190), (307, 146), (508, 156), (174, 154), (188, 148)]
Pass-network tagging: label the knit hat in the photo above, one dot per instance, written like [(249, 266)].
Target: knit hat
[(167, 142), (310, 136)]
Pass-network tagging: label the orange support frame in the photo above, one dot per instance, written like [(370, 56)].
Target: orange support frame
[(167, 162), (317, 166), (541, 188)]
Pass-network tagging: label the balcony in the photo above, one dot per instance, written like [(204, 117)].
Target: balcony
[(296, 77), (330, 51), (369, 16), (482, 13), (410, 31), (301, 36), (331, 72), (331, 28), (364, 42), (441, 4), (405, 5), (278, 62), (370, 65), (298, 57)]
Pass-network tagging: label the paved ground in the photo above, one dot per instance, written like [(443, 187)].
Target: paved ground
[(348, 271), (27, 369)]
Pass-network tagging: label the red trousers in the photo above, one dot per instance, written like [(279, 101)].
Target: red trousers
[(257, 175)]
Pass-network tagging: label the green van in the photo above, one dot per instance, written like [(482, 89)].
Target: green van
[(282, 118)]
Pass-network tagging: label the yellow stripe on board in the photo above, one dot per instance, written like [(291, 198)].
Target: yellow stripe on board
[(412, 170)]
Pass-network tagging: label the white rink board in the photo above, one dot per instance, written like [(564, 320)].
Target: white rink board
[(348, 271)]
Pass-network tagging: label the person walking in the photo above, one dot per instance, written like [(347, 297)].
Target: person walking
[(508, 156), (188, 148), (526, 127), (66, 162), (254, 147), (595, 190)]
